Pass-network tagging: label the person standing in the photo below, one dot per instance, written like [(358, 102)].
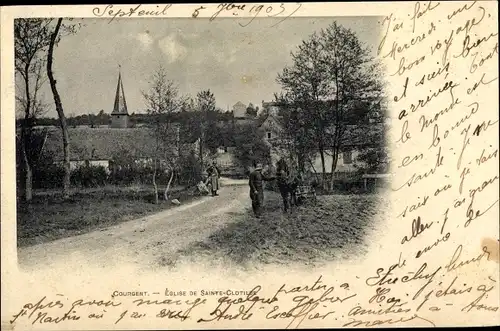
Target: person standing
[(213, 177), (257, 189)]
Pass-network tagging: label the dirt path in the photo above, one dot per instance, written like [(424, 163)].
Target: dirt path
[(140, 241)]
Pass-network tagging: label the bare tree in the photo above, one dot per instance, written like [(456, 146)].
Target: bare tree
[(162, 99), (31, 39), (54, 39)]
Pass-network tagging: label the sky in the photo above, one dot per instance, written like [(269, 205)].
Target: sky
[(236, 63)]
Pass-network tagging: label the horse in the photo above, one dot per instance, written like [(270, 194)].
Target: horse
[(287, 185)]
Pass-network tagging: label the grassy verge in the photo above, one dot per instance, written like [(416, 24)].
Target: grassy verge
[(335, 227), (48, 217)]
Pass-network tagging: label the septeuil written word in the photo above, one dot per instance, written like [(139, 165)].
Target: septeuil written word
[(234, 9), (441, 61)]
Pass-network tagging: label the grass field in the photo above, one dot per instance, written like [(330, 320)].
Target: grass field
[(336, 227), (48, 217)]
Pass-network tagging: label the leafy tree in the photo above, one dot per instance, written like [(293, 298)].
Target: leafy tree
[(332, 81), (251, 111), (305, 83), (356, 80), (201, 119), (263, 115), (375, 158), (250, 146), (298, 134), (206, 108)]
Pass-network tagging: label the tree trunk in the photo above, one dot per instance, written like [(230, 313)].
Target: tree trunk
[(28, 185), (300, 161), (59, 109), (312, 166), (201, 154), (28, 192), (336, 151), (202, 138), (335, 158), (168, 186), (323, 168), (155, 187), (301, 164)]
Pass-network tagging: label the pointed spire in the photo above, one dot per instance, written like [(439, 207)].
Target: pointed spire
[(120, 106)]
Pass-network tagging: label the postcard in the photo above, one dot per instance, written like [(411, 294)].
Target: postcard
[(250, 165)]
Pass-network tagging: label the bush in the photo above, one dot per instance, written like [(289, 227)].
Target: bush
[(132, 175), (89, 176), (250, 147), (48, 176), (375, 160), (348, 185), (190, 170)]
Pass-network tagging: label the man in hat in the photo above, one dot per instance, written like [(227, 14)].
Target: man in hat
[(257, 189)]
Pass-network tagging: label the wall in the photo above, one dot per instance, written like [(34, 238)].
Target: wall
[(341, 166), (103, 163), (119, 121), (239, 110), (226, 159)]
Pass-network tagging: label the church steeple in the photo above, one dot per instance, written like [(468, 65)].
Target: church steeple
[(120, 102), (119, 115)]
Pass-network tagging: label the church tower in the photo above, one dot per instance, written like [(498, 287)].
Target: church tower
[(119, 115)]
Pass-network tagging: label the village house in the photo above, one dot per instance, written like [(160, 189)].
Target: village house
[(270, 108), (239, 110), (240, 116), (353, 143), (104, 146), (269, 122)]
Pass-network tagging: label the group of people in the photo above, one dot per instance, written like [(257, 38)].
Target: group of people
[(287, 185)]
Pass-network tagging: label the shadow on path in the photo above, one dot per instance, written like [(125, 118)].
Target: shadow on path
[(336, 227)]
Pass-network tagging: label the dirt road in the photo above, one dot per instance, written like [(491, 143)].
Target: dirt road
[(140, 241)]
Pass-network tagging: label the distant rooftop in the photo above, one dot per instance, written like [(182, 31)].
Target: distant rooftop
[(104, 143)]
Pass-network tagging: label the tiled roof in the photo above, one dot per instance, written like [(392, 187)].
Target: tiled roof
[(102, 143), (239, 104)]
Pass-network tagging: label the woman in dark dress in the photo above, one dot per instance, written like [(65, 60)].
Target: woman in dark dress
[(213, 178)]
